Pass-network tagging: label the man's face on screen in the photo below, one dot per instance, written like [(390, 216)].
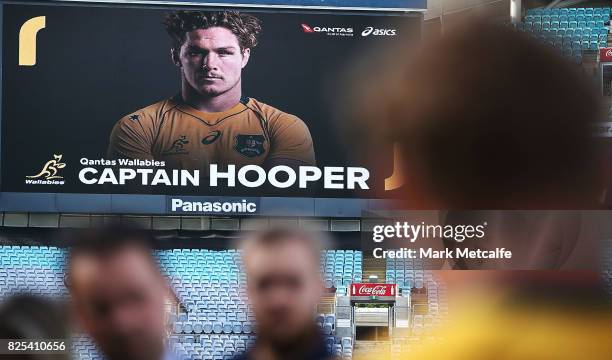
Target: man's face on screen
[(119, 300), (212, 60), (284, 287)]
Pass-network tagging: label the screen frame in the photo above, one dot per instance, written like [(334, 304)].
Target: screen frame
[(134, 204)]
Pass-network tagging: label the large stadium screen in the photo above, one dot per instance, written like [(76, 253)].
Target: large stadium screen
[(117, 99)]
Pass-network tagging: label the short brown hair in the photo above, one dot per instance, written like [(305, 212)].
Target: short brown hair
[(107, 242), (246, 27), (281, 236)]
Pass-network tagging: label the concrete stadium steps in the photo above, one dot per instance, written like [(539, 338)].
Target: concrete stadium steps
[(372, 317), (327, 304), (373, 266), (368, 349)]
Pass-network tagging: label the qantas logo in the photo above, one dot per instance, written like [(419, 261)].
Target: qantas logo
[(307, 29), (328, 30)]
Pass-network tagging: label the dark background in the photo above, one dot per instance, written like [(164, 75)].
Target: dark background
[(96, 64)]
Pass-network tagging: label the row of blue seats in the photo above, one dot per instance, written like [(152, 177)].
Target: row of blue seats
[(570, 27), (574, 45), (210, 316), (220, 347), (214, 340), (602, 34), (550, 36), (207, 327), (569, 17), (568, 11), (572, 42), (210, 347), (196, 326)]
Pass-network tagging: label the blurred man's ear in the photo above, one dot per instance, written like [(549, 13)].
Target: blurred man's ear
[(175, 55)]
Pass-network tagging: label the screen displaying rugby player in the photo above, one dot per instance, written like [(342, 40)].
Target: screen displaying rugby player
[(211, 121)]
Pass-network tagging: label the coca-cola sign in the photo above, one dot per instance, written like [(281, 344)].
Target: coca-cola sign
[(605, 55), (378, 290)]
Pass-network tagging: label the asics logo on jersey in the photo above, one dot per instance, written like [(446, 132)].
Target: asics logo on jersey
[(212, 137)]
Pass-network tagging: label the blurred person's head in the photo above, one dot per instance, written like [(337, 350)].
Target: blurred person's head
[(284, 283), (118, 293), (27, 317), (487, 118)]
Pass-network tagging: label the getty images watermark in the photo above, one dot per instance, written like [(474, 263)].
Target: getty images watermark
[(488, 239), (411, 233)]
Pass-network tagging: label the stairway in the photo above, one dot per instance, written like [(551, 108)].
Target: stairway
[(327, 304), (373, 266), (379, 350)]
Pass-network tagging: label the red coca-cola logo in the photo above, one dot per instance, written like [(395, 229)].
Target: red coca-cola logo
[(379, 290), (373, 290)]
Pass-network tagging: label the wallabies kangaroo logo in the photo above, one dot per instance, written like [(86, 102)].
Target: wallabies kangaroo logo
[(51, 168), (178, 146)]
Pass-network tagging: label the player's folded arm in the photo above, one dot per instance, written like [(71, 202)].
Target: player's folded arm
[(291, 143)]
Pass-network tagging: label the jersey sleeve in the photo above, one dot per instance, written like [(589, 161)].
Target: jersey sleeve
[(132, 138), (290, 139)]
